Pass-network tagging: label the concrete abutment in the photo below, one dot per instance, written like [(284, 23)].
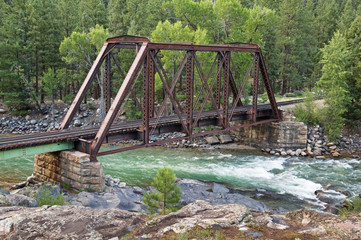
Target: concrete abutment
[(72, 168)]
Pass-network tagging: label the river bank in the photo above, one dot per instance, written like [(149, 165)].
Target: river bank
[(209, 210), (198, 220)]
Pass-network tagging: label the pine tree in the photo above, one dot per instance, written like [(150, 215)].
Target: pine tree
[(333, 83), (15, 64), (296, 43), (167, 193), (347, 17), (327, 15), (51, 86), (92, 12), (353, 38), (116, 13), (70, 16), (45, 37)]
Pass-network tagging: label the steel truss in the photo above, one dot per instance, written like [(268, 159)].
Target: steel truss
[(148, 63)]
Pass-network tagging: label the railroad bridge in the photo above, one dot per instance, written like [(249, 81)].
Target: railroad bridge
[(205, 85)]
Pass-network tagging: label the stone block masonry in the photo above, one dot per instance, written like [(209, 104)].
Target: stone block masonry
[(70, 167), (287, 135)]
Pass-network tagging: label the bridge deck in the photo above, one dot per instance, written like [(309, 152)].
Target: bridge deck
[(72, 135)]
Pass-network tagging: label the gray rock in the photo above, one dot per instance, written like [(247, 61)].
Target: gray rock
[(218, 188), (4, 191), (272, 152), (67, 222), (138, 190), (298, 152), (77, 123), (27, 118), (317, 151), (2, 111), (212, 140), (19, 200), (33, 122), (225, 139), (283, 153)]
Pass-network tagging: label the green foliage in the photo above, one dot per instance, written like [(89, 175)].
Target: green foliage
[(308, 111), (352, 206), (334, 85), (45, 197), (167, 193), (296, 94), (353, 41), (295, 52), (68, 99), (67, 186), (50, 82)]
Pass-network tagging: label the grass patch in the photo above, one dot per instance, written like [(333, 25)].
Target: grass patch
[(47, 196), (351, 207)]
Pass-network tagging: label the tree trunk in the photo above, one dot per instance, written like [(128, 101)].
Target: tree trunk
[(102, 94)]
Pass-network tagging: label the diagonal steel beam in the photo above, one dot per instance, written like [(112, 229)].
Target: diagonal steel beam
[(84, 87), (119, 99), (179, 71), (174, 101)]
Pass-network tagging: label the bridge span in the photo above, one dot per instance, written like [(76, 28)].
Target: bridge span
[(212, 79)]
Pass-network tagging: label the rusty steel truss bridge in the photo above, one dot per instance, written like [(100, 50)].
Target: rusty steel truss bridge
[(214, 93)]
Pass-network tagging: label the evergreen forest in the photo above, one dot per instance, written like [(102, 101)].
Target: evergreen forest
[(48, 46)]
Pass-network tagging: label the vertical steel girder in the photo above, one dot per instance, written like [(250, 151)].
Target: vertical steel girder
[(219, 83), (148, 60), (189, 91), (84, 87), (107, 84), (255, 89), (226, 67), (146, 102), (118, 100)]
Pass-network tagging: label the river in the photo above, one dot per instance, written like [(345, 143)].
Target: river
[(291, 177)]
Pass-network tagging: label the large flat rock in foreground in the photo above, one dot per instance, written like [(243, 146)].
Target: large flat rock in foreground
[(77, 222)]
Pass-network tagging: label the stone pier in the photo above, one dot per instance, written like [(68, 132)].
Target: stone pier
[(286, 134), (71, 168)]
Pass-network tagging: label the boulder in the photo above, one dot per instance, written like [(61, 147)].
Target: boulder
[(33, 122), (225, 139), (317, 151), (2, 111), (335, 154), (67, 222), (19, 200), (218, 188), (212, 140), (298, 152), (77, 123)]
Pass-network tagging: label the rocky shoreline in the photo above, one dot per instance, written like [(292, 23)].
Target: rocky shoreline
[(319, 146), (119, 212), (199, 219)]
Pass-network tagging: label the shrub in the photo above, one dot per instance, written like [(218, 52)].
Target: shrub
[(167, 193), (47, 196), (307, 112), (352, 206), (91, 106), (68, 99)]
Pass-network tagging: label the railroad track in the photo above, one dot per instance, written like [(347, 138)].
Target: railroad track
[(74, 134)]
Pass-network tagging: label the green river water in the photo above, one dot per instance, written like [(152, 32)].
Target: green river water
[(297, 177)]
